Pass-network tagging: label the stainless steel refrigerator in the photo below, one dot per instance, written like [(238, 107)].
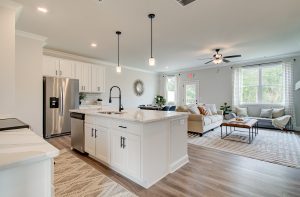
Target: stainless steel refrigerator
[(59, 96)]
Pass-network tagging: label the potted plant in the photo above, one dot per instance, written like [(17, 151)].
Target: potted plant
[(160, 100), (82, 96), (226, 108)]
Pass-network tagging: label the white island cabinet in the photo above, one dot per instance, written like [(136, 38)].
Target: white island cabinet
[(26, 164), (144, 146)]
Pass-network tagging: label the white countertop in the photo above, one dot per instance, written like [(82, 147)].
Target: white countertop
[(21, 146), (135, 115)]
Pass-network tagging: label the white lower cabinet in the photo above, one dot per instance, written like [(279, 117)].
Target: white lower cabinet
[(102, 144), (89, 139), (97, 142), (126, 152)]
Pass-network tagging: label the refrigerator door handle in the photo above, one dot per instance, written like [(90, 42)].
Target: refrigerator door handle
[(61, 101)]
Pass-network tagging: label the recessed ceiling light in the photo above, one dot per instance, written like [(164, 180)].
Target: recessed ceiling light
[(94, 45), (42, 9), (167, 67)]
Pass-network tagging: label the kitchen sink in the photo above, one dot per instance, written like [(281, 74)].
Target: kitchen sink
[(110, 112)]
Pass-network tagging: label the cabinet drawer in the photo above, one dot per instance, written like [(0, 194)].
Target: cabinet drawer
[(99, 121), (129, 127), (89, 119)]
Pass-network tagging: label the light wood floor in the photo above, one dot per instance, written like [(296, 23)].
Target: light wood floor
[(210, 173)]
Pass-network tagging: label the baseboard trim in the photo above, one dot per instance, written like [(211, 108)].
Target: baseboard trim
[(179, 163)]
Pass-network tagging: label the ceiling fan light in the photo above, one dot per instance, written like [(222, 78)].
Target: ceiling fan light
[(218, 61), (151, 61), (118, 69)]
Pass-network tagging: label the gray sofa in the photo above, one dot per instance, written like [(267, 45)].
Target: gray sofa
[(254, 111)]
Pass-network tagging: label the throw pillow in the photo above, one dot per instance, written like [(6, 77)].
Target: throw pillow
[(209, 113), (203, 110), (266, 113), (241, 112), (194, 109), (278, 113), (212, 108)]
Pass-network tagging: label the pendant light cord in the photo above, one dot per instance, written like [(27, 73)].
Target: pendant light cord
[(118, 49), (151, 39)]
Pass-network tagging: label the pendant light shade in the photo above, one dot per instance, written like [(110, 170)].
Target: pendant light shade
[(118, 68), (151, 59)]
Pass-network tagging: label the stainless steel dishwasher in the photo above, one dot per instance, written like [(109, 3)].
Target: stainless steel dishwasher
[(77, 131)]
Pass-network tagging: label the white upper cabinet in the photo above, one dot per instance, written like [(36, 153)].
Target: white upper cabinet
[(91, 77), (50, 66), (83, 73), (98, 79), (56, 67), (66, 68)]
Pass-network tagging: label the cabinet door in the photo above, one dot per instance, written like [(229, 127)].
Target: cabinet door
[(50, 66), (83, 73), (117, 152), (66, 68), (86, 77), (133, 155), (102, 144), (98, 74), (89, 139)]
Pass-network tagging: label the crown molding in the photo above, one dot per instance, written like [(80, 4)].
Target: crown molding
[(12, 5), (60, 54), (281, 57), (31, 36)]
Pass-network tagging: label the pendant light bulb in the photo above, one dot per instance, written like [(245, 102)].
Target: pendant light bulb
[(118, 69), (151, 59)]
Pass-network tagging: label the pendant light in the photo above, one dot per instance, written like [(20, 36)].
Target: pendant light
[(118, 68), (151, 59)]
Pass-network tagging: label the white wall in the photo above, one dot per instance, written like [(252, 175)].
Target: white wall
[(29, 86), (214, 85), (125, 81), (7, 60)]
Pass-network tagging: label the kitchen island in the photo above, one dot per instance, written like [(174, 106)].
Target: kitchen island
[(142, 145), (26, 164)]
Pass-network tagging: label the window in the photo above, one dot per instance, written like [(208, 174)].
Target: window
[(171, 89), (262, 85)]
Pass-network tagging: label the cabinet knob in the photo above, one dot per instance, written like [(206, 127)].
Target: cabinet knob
[(92, 132), (96, 133)]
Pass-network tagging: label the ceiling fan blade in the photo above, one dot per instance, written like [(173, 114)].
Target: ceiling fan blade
[(207, 58), (225, 60), (233, 56), (209, 61)]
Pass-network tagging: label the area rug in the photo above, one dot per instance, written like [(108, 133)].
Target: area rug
[(75, 178), (271, 146)]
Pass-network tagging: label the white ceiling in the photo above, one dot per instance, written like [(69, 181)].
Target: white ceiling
[(182, 35)]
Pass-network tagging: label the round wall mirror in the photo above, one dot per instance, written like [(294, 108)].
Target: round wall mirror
[(138, 87)]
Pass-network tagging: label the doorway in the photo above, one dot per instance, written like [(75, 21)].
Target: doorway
[(190, 92)]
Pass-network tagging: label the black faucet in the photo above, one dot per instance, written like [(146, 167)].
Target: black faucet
[(120, 104)]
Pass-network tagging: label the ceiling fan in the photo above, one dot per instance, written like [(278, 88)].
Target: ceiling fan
[(219, 58)]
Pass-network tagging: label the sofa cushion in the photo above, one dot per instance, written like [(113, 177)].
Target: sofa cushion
[(241, 112), (183, 108), (277, 112), (212, 108), (266, 113), (215, 118), (207, 120), (194, 109)]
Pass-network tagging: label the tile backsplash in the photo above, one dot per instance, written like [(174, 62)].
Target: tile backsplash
[(91, 98)]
